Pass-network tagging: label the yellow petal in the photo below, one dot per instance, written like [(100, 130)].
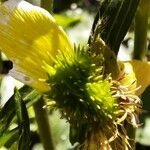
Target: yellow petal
[(137, 74), (30, 37)]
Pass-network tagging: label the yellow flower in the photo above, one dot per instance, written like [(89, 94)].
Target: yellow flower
[(30, 37)]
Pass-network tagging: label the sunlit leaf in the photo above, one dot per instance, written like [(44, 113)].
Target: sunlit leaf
[(8, 112), (23, 122), (113, 20), (6, 136)]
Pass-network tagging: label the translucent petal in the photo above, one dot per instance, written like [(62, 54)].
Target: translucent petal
[(137, 74), (30, 36)]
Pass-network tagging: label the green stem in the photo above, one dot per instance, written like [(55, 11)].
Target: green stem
[(141, 26), (47, 4), (140, 43), (41, 115)]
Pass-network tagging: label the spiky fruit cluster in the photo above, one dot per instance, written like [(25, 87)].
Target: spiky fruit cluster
[(95, 105), (78, 86)]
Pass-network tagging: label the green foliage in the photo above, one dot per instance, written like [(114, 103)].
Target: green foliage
[(23, 122), (113, 21), (5, 138), (14, 112), (6, 115)]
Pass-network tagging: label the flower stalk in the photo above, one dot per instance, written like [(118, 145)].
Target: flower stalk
[(141, 26), (140, 42), (41, 115)]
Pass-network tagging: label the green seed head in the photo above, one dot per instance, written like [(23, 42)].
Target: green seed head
[(80, 89), (95, 105)]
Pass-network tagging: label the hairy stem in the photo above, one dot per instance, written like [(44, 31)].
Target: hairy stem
[(41, 115)]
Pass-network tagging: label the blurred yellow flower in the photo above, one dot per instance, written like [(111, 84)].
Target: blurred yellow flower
[(135, 74), (30, 37)]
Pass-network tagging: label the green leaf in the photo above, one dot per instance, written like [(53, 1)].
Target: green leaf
[(23, 122), (113, 21), (7, 113), (32, 97), (6, 137), (12, 140)]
